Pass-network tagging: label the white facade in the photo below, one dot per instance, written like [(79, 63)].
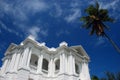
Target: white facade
[(32, 60)]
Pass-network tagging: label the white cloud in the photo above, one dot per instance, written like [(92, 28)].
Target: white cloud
[(3, 46), (13, 10), (62, 32), (0, 31), (76, 13), (44, 32), (57, 10), (113, 7), (9, 30), (100, 41), (110, 4), (20, 9), (34, 6), (36, 31)]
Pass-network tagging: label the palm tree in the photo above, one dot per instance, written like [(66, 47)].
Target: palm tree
[(108, 76), (118, 76), (111, 76), (94, 78), (95, 21)]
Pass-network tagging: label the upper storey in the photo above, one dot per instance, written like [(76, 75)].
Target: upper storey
[(63, 46)]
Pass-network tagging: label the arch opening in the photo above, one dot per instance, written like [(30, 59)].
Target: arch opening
[(45, 65), (57, 66), (77, 68), (34, 62)]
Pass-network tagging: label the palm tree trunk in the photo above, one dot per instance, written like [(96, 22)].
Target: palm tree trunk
[(112, 42)]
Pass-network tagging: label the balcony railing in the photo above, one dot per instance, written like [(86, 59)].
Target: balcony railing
[(44, 71), (57, 71), (33, 68)]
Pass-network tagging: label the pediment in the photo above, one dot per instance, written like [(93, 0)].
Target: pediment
[(10, 48)]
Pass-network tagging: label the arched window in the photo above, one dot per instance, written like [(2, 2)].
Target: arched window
[(34, 62), (30, 79), (77, 68), (45, 66), (57, 64)]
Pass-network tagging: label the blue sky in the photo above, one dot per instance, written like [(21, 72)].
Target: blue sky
[(55, 21)]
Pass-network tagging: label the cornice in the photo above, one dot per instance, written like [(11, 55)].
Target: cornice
[(63, 46)]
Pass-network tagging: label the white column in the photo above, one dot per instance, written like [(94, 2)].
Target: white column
[(29, 56), (12, 63), (50, 67), (61, 70), (25, 57), (53, 68), (66, 64), (71, 62), (3, 69), (20, 62), (84, 75), (62, 63), (40, 60), (8, 65), (17, 62)]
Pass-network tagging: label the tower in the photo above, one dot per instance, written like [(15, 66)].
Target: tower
[(32, 60)]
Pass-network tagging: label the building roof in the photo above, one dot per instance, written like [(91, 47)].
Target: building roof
[(63, 45)]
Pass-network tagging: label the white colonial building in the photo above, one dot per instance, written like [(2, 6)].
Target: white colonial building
[(32, 60)]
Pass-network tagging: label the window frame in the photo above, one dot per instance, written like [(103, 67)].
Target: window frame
[(45, 65)]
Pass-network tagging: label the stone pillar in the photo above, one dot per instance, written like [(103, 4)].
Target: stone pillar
[(8, 65), (23, 72), (66, 64), (24, 59), (84, 75), (17, 62), (71, 62), (61, 63), (3, 69), (50, 67), (10, 74), (39, 68), (20, 61), (29, 57), (12, 63), (61, 70)]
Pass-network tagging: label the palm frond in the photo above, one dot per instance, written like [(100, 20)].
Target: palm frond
[(110, 76), (91, 10), (94, 77), (118, 76), (105, 26), (95, 20), (87, 22), (93, 30), (97, 6)]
